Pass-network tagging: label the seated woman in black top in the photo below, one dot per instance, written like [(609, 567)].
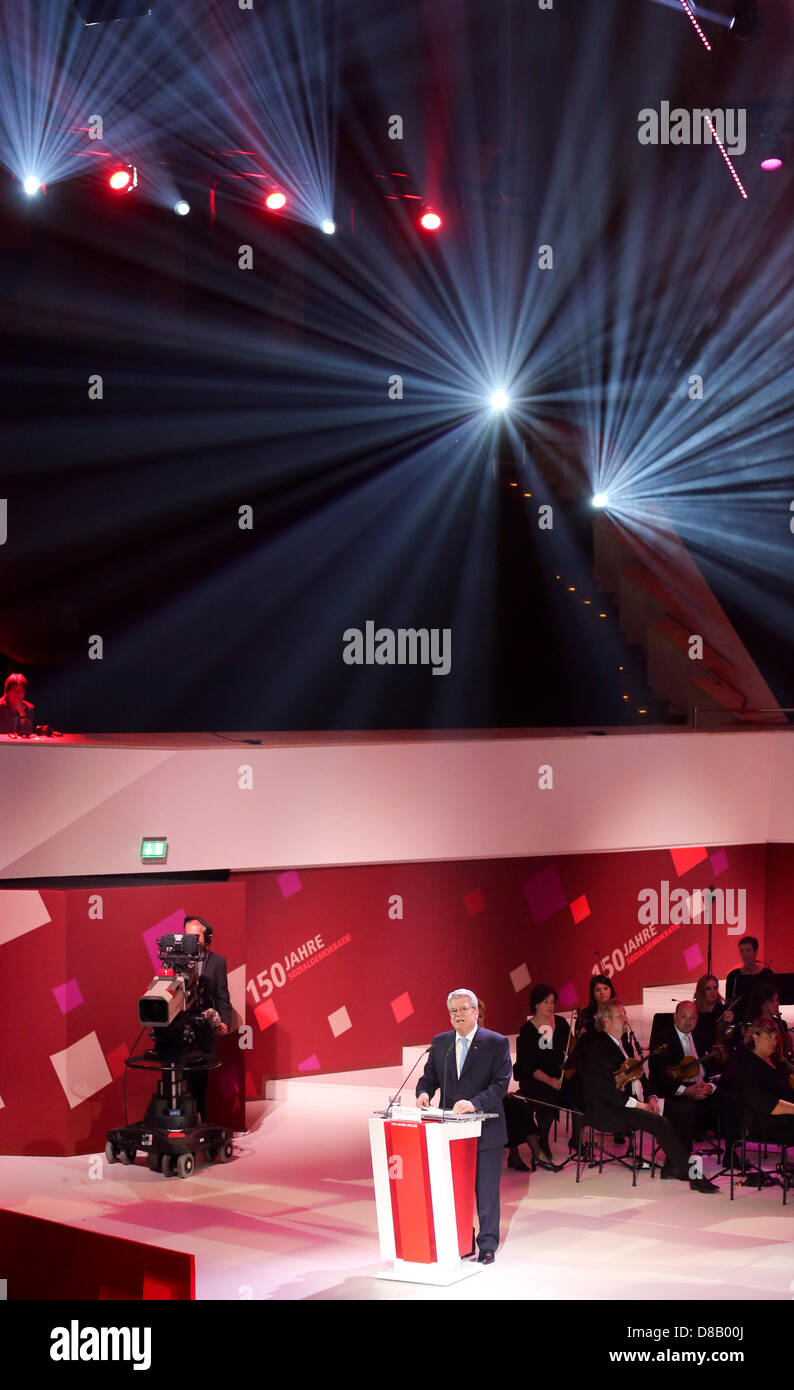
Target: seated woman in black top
[(765, 1003), (601, 991), (540, 1052), (761, 1086), (711, 1011)]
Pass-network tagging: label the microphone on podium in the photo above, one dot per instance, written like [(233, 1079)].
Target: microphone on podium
[(395, 1099)]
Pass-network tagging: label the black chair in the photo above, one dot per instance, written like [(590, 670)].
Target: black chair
[(760, 1177), (589, 1144)]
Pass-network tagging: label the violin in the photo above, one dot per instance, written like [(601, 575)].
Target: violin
[(688, 1068), (631, 1069), (784, 1045), (723, 1033)]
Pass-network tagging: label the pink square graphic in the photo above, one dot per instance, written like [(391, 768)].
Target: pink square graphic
[(568, 996), (580, 908), (719, 862), (544, 894), (265, 1014), (68, 995), (693, 957), (402, 1007), (475, 902), (310, 1063), (289, 883), (115, 1060), (520, 977), (339, 1021), (686, 859), (174, 922)]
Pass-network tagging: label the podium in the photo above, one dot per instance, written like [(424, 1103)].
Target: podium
[(423, 1163)]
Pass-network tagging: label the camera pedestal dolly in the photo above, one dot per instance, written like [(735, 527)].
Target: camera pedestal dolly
[(169, 1133)]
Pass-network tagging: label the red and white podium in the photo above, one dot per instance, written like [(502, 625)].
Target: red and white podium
[(423, 1163)]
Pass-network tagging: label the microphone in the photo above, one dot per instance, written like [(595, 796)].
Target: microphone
[(395, 1099)]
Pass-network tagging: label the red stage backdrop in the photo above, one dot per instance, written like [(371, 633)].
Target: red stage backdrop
[(340, 968), (345, 966)]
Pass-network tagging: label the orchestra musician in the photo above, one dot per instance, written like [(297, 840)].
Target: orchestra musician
[(610, 1108), (602, 991), (764, 1003), (677, 1035), (761, 1084), (541, 1055), (738, 981), (712, 1011)]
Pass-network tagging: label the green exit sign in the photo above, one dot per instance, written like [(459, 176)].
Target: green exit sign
[(154, 849)]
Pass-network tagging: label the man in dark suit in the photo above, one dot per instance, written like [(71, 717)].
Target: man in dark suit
[(697, 1095), (214, 996), (619, 1111), (472, 1069)]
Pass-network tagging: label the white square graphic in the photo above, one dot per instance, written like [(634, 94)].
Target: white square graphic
[(520, 977), (236, 983), (21, 910), (82, 1069), (339, 1021)]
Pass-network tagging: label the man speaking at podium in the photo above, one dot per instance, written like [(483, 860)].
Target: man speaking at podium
[(472, 1069)]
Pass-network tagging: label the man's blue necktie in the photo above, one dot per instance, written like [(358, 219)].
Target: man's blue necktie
[(464, 1047)]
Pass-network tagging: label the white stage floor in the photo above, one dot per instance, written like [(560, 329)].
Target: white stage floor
[(293, 1217)]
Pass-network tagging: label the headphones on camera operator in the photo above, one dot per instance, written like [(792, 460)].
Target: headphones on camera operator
[(208, 931)]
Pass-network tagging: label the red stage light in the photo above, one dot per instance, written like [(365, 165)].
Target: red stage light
[(430, 221), (119, 180), (771, 162), (276, 201)]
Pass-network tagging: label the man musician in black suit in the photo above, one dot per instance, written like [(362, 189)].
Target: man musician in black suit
[(698, 1094), (621, 1111), (471, 1067), (214, 998)]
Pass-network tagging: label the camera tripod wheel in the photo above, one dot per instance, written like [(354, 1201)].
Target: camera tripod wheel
[(128, 1155), (111, 1153), (177, 1165), (219, 1153)]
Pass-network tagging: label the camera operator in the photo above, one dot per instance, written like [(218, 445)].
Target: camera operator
[(214, 996)]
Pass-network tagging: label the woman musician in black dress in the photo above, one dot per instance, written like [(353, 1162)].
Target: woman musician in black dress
[(541, 1055), (761, 1086), (712, 1013), (765, 1003)]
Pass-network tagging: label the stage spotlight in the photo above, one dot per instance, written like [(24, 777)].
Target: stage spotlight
[(500, 400), (430, 221), (771, 162), (121, 180), (276, 201), (182, 208), (328, 226), (601, 499), (31, 185)]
